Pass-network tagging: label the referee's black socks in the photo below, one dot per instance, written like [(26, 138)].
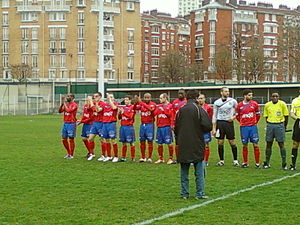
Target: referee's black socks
[(294, 156), (221, 152), (234, 152)]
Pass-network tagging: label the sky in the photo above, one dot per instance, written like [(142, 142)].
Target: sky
[(171, 6)]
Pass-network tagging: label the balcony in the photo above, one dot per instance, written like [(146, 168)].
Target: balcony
[(108, 66), (184, 31), (109, 52), (199, 44), (108, 23), (29, 8), (107, 7), (108, 38), (57, 8)]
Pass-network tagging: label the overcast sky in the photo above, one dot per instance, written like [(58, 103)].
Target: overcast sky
[(171, 6)]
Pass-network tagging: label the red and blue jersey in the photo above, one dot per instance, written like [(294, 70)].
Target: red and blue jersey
[(126, 115), (248, 114), (208, 109), (69, 112), (87, 114), (147, 111), (164, 114), (109, 114), (98, 115)]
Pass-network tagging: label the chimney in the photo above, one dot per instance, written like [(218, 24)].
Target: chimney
[(283, 7), (269, 5), (252, 4), (242, 2), (153, 12), (233, 2), (261, 4)]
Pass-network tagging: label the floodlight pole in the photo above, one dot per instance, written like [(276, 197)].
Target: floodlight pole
[(100, 48)]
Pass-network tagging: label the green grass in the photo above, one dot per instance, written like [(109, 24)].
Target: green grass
[(38, 186)]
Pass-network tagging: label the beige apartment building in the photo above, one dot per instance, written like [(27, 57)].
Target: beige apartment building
[(58, 39)]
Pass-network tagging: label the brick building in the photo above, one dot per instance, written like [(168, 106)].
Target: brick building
[(161, 33), (59, 39), (218, 24)]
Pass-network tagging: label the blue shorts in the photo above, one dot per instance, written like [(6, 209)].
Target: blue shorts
[(96, 128), (86, 130), (147, 132), (249, 133), (127, 134), (109, 130), (207, 137), (164, 135), (69, 130)]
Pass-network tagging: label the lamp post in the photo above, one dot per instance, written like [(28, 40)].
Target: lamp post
[(100, 48)]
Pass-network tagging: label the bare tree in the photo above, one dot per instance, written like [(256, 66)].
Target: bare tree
[(223, 63), (173, 67), (20, 72), (196, 72)]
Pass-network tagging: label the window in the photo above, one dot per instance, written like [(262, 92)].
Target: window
[(62, 33), (130, 62), (52, 47), (130, 75), (24, 59), (57, 16), (52, 73), (5, 61), (131, 46), (199, 41), (63, 61), (275, 30), (130, 35), (212, 26), (34, 61), (34, 47), (155, 40), (267, 17), (5, 34), (255, 29), (5, 19), (80, 3), (243, 27), (155, 29), (34, 33), (25, 33), (29, 17), (80, 17), (154, 73), (5, 3), (5, 47), (155, 51), (212, 39), (63, 47), (52, 60), (274, 19), (80, 47), (81, 61), (24, 47), (130, 6), (80, 32), (172, 38), (64, 74), (52, 33), (199, 26), (155, 62), (80, 74), (267, 29), (212, 51)]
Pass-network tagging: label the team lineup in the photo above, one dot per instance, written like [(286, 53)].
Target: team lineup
[(99, 118)]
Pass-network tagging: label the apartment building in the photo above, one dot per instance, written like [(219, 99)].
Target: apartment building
[(58, 39), (186, 6), (161, 33), (219, 24)]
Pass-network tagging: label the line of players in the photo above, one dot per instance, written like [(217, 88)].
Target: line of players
[(99, 119)]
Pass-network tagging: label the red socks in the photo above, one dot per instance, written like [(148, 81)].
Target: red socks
[(160, 152), (66, 145), (72, 146), (132, 151), (245, 155), (150, 149), (115, 147), (171, 151), (143, 149), (206, 154), (124, 151), (256, 154), (108, 149)]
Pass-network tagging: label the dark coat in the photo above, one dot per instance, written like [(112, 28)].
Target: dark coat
[(191, 122)]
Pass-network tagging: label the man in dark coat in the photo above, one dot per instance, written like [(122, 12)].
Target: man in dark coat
[(191, 122)]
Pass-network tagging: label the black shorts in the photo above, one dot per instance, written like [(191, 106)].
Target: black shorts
[(225, 128), (296, 131)]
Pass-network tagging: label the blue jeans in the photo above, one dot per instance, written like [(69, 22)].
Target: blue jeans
[(199, 178)]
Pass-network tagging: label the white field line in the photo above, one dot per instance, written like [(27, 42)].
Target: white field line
[(179, 211)]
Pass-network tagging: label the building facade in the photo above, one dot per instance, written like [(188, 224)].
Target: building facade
[(160, 34), (186, 6), (59, 39), (241, 28)]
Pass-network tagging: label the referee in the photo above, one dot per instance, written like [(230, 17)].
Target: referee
[(223, 117), (295, 114), (276, 113)]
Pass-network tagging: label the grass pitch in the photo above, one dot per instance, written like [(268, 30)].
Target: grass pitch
[(38, 186)]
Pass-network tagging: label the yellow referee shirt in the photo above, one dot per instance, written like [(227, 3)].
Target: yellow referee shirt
[(296, 106), (276, 112)]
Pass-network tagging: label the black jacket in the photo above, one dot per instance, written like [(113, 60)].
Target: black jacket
[(191, 122)]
